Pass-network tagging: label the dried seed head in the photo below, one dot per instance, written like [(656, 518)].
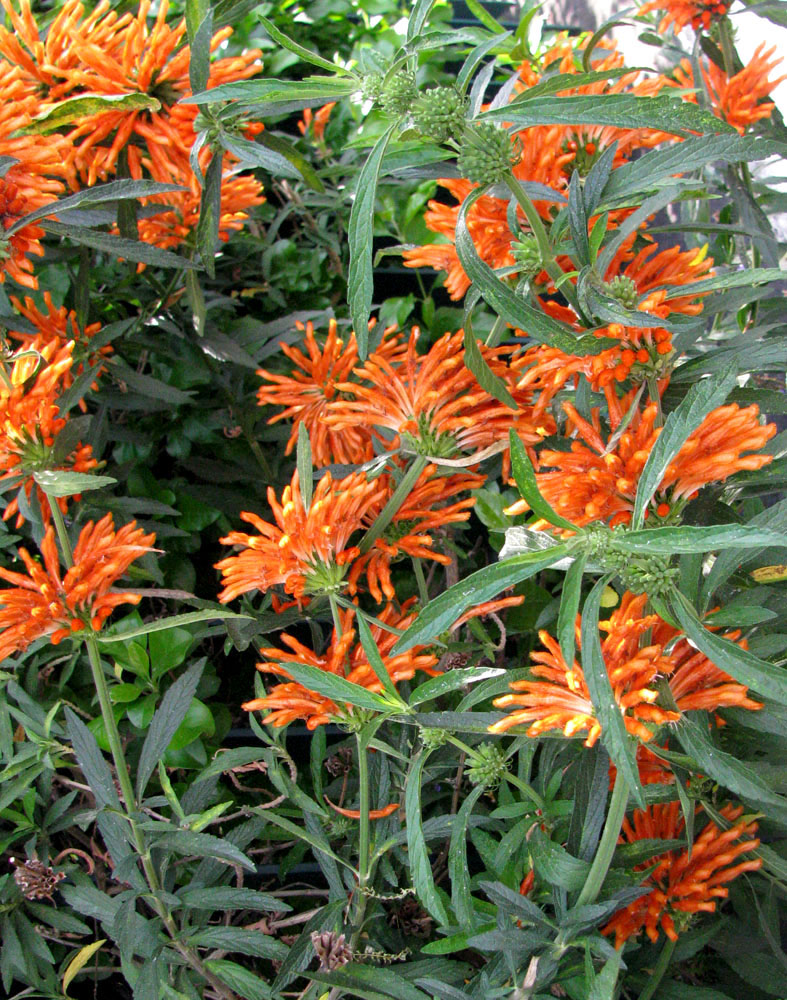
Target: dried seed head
[(35, 879), (331, 950)]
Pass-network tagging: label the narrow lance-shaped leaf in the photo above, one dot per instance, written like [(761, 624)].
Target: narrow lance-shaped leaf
[(374, 659), (360, 235), (420, 867), (175, 621), (486, 378), (199, 45), (61, 483), (207, 235), (675, 539), (306, 54), (140, 253), (305, 465), (525, 478), (614, 735), (569, 608), (765, 678), (483, 585), (336, 688), (417, 20), (697, 404), (76, 108)]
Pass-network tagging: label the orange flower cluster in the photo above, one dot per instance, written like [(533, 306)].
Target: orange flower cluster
[(683, 882), (678, 13), (343, 657), (44, 602), (141, 71), (740, 98), (30, 422), (560, 699), (597, 480)]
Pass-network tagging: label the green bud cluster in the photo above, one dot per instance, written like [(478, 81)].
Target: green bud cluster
[(433, 739), (398, 94), (371, 86), (527, 256), (488, 767), (487, 154), (623, 290), (641, 574), (439, 113)]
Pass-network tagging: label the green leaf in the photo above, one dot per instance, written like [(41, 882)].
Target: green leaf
[(311, 838), (458, 870), (569, 608), (483, 585), (336, 688), (389, 981), (228, 898), (141, 253), (567, 81), (695, 538), (679, 425), (79, 961), (418, 18), (683, 157), (91, 760), (512, 307), (604, 982), (207, 235), (485, 17), (199, 23), (734, 279), (436, 687), (577, 219), (264, 95), (476, 57), (763, 677), (525, 478), (668, 114), (420, 866), (239, 940), (360, 234), (305, 465), (516, 904), (486, 378), (373, 657), (260, 155), (305, 54), (113, 191), (728, 770), (68, 484), (203, 845), (168, 717), (174, 621), (614, 735), (555, 864), (241, 981), (75, 108)]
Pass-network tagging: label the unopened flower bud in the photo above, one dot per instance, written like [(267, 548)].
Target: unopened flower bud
[(398, 94), (623, 290), (439, 113), (488, 767), (527, 256), (487, 153)]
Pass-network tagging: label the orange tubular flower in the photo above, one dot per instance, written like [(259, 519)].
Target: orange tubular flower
[(739, 99), (682, 882), (432, 402), (425, 510), (591, 484), (312, 385), (317, 121), (678, 13), (46, 603), (343, 657), (30, 422), (562, 701), (307, 550)]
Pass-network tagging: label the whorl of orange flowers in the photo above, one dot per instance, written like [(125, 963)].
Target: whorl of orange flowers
[(429, 508), (683, 882), (45, 602), (678, 13), (740, 98), (590, 483), (562, 701), (433, 404), (344, 657), (312, 385), (307, 550), (30, 420)]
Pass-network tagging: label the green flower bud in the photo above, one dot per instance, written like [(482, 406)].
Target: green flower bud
[(398, 94), (432, 739), (623, 289), (371, 86), (527, 256), (487, 153), (439, 113), (489, 767)]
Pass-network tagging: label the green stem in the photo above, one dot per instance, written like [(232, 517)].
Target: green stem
[(512, 779), (124, 778), (363, 839), (402, 491), (551, 265), (337, 622), (423, 593), (496, 332), (659, 969), (609, 839)]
